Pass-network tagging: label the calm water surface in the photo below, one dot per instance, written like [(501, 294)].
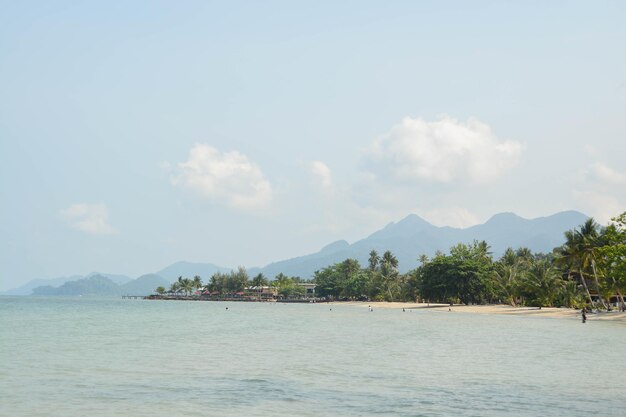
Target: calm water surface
[(113, 357)]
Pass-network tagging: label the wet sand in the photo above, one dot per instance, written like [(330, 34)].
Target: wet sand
[(551, 312)]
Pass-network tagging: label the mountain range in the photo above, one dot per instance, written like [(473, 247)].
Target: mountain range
[(413, 236), (407, 239)]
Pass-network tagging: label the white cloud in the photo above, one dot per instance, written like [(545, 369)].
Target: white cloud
[(89, 218), (442, 151), (225, 177), (322, 174), (599, 191), (601, 205), (608, 175)]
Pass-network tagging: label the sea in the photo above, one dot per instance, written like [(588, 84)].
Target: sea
[(111, 357)]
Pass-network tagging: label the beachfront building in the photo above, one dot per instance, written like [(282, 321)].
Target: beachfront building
[(264, 292), (309, 289)]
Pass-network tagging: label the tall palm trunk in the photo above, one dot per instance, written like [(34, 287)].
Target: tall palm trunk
[(595, 277), (620, 297), (582, 280)]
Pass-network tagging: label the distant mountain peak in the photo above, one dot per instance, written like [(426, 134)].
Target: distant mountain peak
[(408, 226), (413, 236), (504, 217), (335, 246), (568, 214), (414, 219), (189, 270)]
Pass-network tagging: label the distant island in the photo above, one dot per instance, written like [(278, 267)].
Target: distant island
[(99, 285)]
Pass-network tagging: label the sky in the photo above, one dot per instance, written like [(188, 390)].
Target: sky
[(137, 134)]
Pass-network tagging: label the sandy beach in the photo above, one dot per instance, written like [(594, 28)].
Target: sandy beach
[(551, 312)]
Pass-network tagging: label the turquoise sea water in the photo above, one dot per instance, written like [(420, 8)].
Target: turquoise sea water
[(113, 357)]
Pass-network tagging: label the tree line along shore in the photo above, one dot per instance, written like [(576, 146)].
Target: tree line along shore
[(587, 271)]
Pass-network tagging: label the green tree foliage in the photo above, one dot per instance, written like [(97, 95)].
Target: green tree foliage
[(175, 287), (259, 281), (590, 263), (288, 286), (232, 282), (347, 280), (373, 260), (542, 283), (463, 276), (612, 258), (197, 282)]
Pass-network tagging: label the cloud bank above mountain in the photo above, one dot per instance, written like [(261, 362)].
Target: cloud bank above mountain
[(442, 151)]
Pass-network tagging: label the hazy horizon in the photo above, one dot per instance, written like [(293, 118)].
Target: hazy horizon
[(156, 270), (138, 135)]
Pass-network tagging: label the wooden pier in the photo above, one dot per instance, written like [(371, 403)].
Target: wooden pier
[(133, 297)]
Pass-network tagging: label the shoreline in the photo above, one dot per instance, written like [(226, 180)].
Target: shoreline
[(498, 309)]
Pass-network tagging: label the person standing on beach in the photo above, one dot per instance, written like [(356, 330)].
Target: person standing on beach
[(584, 316)]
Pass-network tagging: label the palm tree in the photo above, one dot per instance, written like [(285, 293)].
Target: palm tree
[(186, 285), (373, 260), (588, 242), (259, 280), (524, 254), (389, 260), (569, 256), (482, 249), (612, 258), (389, 272), (175, 287), (197, 282), (506, 279), (570, 295), (544, 281)]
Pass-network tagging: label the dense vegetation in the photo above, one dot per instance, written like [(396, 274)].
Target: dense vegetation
[(589, 269), (236, 282)]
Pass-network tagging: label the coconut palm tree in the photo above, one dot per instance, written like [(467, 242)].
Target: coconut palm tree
[(570, 295), (569, 257), (259, 280), (175, 287), (389, 260), (197, 282), (373, 260), (612, 258), (185, 284), (588, 243), (389, 273), (506, 279), (544, 281)]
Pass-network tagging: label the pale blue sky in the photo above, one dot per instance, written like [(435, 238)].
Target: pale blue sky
[(136, 134)]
